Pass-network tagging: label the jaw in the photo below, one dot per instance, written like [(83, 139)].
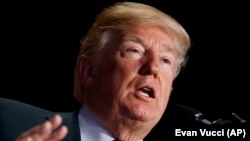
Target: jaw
[(129, 128)]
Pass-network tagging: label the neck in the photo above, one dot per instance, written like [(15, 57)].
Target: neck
[(129, 134), (127, 129), (122, 126)]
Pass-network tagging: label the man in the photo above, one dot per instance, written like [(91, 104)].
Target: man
[(124, 74)]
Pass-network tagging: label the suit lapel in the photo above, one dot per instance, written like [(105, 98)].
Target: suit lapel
[(71, 121)]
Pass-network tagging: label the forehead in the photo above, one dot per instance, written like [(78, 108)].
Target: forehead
[(149, 35)]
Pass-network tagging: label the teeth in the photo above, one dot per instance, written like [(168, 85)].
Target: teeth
[(146, 92), (146, 89)]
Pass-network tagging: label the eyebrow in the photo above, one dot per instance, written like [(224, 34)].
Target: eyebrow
[(142, 41)]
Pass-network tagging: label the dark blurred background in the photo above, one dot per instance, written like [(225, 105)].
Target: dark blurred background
[(40, 42)]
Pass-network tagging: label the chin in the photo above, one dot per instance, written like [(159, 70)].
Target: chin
[(142, 117), (141, 113)]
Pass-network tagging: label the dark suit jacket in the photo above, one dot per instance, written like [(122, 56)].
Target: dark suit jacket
[(17, 117)]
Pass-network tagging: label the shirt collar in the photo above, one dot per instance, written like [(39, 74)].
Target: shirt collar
[(91, 129)]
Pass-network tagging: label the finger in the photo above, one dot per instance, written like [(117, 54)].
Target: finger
[(42, 131), (59, 134), (56, 121), (39, 132)]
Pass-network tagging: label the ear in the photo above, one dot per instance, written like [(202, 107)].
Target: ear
[(86, 72)]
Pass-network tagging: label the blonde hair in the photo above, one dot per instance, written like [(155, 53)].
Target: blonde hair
[(123, 15)]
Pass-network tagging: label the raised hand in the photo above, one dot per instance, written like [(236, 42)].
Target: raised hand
[(47, 131)]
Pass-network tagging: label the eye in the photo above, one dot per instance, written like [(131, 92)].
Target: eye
[(133, 53), (166, 61), (133, 50)]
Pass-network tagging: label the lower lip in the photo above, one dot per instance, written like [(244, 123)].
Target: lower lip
[(139, 95)]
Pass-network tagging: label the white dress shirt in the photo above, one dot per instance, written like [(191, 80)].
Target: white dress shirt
[(91, 129)]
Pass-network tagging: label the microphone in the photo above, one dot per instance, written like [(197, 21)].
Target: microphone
[(197, 115), (238, 118)]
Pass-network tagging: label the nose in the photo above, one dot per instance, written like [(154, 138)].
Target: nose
[(151, 67)]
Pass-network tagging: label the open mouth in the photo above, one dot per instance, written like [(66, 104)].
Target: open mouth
[(147, 92)]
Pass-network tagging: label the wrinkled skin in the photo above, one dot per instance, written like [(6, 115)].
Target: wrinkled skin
[(129, 80)]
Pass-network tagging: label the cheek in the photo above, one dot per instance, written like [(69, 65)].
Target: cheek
[(115, 73), (123, 74), (166, 89), (125, 68)]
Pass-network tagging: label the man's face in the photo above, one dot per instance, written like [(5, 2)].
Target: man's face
[(133, 74)]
